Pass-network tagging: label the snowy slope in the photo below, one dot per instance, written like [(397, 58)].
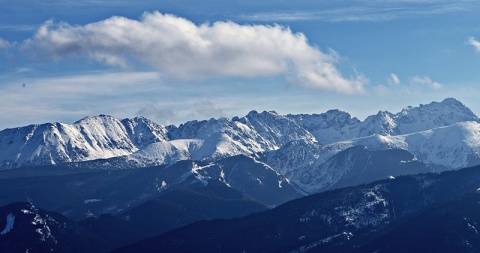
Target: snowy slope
[(143, 132), (145, 142), (452, 147), (416, 119), (443, 135), (167, 152), (335, 125), (88, 139), (254, 133), (433, 115), (444, 148)]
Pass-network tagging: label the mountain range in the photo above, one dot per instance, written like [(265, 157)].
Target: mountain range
[(308, 150), (121, 181)]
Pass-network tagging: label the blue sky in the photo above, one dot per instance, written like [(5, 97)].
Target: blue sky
[(173, 61)]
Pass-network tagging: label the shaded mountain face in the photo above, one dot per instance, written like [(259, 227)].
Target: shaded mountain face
[(362, 218), (450, 227), (363, 165), (431, 212), (78, 194), (27, 228), (184, 206), (304, 149)]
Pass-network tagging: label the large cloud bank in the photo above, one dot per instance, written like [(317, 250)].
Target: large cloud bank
[(179, 48)]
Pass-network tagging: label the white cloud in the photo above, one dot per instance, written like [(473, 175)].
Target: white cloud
[(426, 82), (4, 43), (381, 90), (27, 28), (72, 97), (207, 109), (181, 49), (367, 11), (475, 43), (121, 94), (280, 16), (189, 109), (158, 114), (394, 79), (416, 85)]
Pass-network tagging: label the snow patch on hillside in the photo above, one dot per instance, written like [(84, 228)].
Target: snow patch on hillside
[(9, 225)]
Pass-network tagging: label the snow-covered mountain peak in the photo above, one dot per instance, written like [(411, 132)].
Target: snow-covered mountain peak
[(446, 104), (265, 115), (443, 133), (433, 115), (382, 123), (339, 116), (143, 131), (453, 102), (332, 118), (93, 137), (332, 126), (276, 129), (102, 118)]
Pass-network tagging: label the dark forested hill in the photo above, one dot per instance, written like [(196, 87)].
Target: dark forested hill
[(365, 217)]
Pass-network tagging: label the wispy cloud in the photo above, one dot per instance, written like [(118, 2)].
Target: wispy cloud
[(178, 48), (475, 43), (425, 81), (26, 28), (73, 3), (207, 109), (393, 79), (367, 11), (415, 85), (334, 15), (4, 43), (71, 97), (281, 16), (121, 94), (156, 113), (189, 109)]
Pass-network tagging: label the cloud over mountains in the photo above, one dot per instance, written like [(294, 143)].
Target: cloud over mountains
[(181, 49)]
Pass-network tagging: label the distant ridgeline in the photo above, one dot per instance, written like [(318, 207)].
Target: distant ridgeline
[(313, 152)]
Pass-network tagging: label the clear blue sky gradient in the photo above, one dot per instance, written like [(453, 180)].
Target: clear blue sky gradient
[(398, 53)]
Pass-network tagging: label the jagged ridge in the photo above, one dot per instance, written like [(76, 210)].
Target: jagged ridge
[(443, 135)]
